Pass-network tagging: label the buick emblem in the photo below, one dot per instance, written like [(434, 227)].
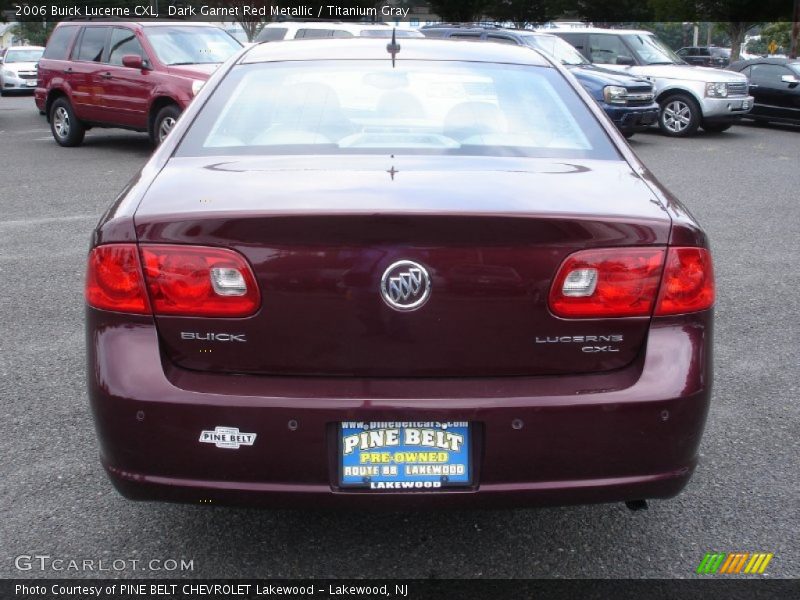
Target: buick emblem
[(405, 285)]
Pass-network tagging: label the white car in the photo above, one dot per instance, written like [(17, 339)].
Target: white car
[(18, 70), (304, 30), (689, 97)]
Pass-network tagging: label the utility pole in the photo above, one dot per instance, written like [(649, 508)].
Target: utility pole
[(696, 34), (795, 29)]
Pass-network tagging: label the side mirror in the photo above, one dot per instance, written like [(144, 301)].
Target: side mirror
[(625, 60), (133, 61), (790, 79)]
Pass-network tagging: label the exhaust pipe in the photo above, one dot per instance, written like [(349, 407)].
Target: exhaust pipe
[(636, 504)]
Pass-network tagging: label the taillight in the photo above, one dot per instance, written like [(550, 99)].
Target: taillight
[(607, 282), (199, 282), (688, 284), (622, 282), (181, 280), (114, 279)]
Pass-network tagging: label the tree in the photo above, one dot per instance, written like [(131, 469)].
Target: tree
[(520, 12), (459, 10), (34, 33)]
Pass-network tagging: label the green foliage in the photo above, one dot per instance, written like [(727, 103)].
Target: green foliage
[(35, 33), (459, 10), (521, 12)]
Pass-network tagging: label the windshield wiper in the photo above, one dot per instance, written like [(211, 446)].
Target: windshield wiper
[(663, 62)]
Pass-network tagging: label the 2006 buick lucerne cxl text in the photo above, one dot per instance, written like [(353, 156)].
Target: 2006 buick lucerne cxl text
[(363, 275)]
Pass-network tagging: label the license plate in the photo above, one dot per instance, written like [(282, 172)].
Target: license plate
[(405, 455)]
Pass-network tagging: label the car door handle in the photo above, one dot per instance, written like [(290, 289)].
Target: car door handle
[(107, 75), (68, 70)]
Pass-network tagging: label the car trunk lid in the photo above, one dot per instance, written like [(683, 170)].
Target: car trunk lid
[(320, 234)]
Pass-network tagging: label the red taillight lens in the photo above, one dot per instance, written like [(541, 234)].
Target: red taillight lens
[(688, 284), (607, 282), (199, 282), (114, 279)]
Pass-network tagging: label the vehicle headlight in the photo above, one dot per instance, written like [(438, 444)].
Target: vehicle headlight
[(615, 94), (717, 90), (197, 85), (9, 73)]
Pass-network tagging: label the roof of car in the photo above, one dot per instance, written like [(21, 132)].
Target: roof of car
[(375, 48), (112, 21), (23, 48), (557, 30), (486, 28), (766, 60)]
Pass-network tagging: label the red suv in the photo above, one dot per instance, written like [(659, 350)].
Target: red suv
[(138, 76)]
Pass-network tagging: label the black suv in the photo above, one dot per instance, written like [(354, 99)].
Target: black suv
[(706, 56)]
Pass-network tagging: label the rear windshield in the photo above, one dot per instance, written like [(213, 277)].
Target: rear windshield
[(419, 107), (59, 42)]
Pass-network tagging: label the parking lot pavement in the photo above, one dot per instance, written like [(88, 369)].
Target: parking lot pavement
[(55, 500)]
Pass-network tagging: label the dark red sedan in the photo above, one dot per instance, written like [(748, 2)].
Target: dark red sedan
[(362, 275)]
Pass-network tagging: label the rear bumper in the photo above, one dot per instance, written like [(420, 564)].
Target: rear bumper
[(627, 434)]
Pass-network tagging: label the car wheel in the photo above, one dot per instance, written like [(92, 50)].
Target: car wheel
[(679, 115), (164, 122), (66, 128), (717, 127)]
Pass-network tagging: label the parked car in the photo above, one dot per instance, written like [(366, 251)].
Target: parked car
[(628, 101), (18, 68), (307, 30), (314, 296), (133, 75), (689, 97), (706, 56), (775, 86)]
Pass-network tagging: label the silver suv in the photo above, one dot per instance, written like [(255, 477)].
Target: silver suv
[(689, 97)]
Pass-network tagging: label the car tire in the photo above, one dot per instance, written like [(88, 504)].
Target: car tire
[(67, 130), (680, 115), (163, 123), (716, 127)]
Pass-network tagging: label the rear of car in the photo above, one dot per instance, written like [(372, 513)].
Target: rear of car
[(435, 278), (18, 68), (138, 76)]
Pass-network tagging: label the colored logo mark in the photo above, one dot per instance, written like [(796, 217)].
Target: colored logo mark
[(734, 562)]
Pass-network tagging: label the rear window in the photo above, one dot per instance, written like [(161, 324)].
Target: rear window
[(419, 107), (59, 42)]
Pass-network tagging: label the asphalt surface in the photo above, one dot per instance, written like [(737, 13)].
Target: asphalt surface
[(743, 186)]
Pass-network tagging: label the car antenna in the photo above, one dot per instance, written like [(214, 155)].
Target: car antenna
[(393, 47)]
